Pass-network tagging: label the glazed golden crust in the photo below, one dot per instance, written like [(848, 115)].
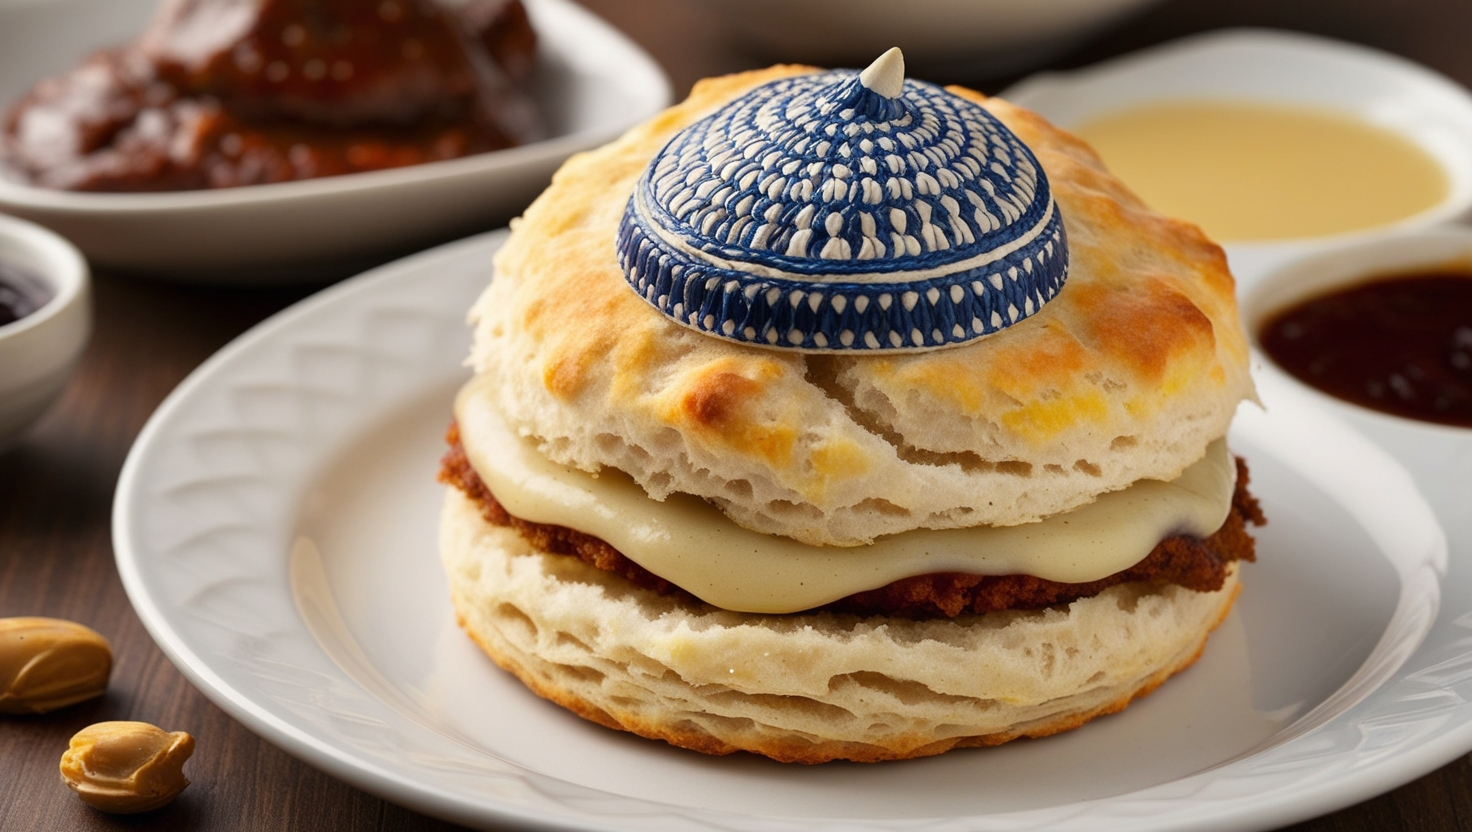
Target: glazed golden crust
[(1137, 364)]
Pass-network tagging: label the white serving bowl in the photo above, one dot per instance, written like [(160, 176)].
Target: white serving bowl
[(1438, 456), (592, 83), (1282, 68), (38, 352), (948, 39)]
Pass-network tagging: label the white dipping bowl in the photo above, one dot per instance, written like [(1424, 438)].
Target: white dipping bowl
[(1286, 69), (1438, 456), (950, 38), (38, 352)]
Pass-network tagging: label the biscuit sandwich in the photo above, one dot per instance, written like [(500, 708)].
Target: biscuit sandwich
[(835, 415)]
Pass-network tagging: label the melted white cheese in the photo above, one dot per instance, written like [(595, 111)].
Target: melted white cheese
[(690, 543)]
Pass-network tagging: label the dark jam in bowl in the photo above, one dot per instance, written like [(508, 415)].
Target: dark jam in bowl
[(1398, 344), (20, 294)]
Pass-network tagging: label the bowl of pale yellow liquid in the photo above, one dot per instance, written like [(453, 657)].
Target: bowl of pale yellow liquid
[(1275, 143)]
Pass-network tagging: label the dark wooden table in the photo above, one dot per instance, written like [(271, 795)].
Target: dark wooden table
[(56, 487)]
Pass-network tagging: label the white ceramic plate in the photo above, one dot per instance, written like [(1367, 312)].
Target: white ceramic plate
[(941, 38), (592, 83), (1287, 68), (275, 529)]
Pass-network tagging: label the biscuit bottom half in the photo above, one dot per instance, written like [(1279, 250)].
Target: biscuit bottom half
[(810, 687)]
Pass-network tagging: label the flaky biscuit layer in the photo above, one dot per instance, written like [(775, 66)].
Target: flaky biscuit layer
[(809, 687)]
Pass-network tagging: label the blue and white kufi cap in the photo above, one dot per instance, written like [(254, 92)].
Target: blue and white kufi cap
[(845, 211)]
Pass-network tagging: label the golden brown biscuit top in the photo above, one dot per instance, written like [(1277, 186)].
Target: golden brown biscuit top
[(1128, 373)]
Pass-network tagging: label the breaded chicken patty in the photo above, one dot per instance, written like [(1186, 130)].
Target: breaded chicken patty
[(1198, 564)]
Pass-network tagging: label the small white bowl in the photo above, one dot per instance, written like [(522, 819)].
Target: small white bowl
[(592, 83), (1283, 68), (38, 352), (1438, 456)]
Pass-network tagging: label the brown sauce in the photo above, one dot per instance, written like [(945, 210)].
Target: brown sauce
[(220, 93), (1398, 344), (20, 294)]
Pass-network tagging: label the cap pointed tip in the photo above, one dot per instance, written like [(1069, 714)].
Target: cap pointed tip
[(886, 76)]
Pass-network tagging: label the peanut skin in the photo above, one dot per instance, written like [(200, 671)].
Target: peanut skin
[(49, 663), (126, 767)]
